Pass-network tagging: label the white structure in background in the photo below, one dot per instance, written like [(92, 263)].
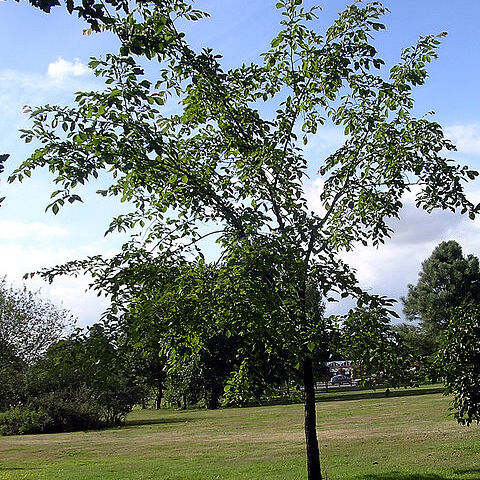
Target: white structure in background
[(341, 367)]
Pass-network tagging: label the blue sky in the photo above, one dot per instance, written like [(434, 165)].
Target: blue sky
[(43, 60)]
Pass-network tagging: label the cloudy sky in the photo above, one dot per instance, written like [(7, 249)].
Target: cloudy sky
[(43, 60)]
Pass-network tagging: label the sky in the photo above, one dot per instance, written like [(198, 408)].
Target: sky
[(43, 59)]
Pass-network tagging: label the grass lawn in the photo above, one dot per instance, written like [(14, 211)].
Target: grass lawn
[(394, 438)]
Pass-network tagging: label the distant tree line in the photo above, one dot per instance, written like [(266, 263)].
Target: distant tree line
[(57, 378)]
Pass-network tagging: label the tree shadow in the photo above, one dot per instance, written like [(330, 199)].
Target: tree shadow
[(332, 397), (403, 476), (158, 421), (418, 476), (344, 395), (468, 471)]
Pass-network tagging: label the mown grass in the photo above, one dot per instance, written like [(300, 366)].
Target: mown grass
[(393, 438)]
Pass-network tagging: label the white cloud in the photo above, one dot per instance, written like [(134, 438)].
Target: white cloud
[(18, 258), (61, 68), (388, 269), (465, 137), (313, 190), (15, 230)]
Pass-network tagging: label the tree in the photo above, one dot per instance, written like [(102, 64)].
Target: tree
[(85, 381), (447, 280), (226, 167), (373, 345), (422, 346), (12, 371), (458, 361), (29, 324)]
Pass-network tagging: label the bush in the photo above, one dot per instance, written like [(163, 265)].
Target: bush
[(58, 411), (70, 410), (23, 420)]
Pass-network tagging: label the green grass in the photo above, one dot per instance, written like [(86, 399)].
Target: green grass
[(394, 438)]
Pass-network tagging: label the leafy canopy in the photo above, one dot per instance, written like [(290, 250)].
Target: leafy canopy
[(459, 362), (221, 167)]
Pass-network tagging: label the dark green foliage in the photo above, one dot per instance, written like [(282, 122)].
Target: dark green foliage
[(216, 362), (69, 409), (422, 345), (459, 362), (447, 280), (12, 376), (29, 325), (85, 381), (371, 342)]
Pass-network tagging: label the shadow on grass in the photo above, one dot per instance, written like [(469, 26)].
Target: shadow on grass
[(346, 394), (336, 397), (403, 476), (419, 476), (158, 421)]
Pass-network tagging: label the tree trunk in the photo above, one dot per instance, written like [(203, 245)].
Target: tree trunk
[(313, 453), (158, 398)]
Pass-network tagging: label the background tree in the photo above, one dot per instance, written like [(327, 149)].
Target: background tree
[(447, 280), (29, 324), (422, 346), (85, 381), (229, 168), (12, 373), (458, 361), (378, 353)]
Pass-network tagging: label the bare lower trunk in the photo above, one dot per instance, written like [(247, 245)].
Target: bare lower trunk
[(158, 398), (313, 453)]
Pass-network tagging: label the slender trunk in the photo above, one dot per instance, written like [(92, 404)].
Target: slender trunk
[(313, 453), (158, 398)]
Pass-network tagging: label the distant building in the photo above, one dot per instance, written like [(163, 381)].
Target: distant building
[(341, 367)]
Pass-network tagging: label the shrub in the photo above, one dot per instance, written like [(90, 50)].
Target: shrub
[(70, 409), (23, 420)]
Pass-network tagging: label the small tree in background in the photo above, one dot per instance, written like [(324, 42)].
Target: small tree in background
[(377, 351), (85, 381), (422, 345), (29, 324), (458, 360)]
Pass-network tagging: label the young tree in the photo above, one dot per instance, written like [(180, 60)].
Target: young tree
[(458, 361), (447, 280), (225, 167)]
